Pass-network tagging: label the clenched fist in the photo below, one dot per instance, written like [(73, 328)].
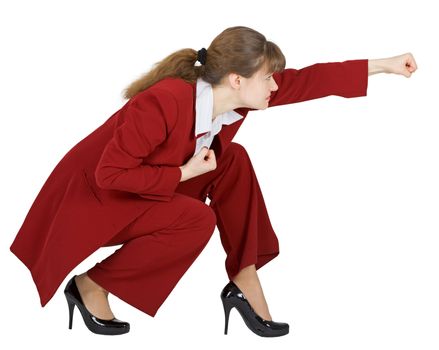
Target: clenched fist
[(203, 162), (404, 64)]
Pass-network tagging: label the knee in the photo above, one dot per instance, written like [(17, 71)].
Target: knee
[(236, 149), (205, 216), (236, 154), (209, 218)]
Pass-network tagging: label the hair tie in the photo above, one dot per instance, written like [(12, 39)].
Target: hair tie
[(201, 56)]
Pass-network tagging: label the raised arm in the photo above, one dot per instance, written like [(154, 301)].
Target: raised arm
[(346, 79)]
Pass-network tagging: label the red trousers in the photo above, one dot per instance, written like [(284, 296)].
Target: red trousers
[(161, 244)]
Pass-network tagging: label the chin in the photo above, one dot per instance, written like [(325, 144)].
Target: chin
[(263, 105)]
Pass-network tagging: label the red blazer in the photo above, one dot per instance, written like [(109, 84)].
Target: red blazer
[(132, 160)]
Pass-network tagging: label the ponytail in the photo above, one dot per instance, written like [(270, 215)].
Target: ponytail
[(239, 50)]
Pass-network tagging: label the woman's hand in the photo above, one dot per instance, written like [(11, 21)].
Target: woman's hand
[(203, 162), (403, 64)]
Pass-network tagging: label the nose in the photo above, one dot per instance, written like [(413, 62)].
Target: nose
[(274, 87)]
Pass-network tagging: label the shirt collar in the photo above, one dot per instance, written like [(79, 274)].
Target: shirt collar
[(204, 110)]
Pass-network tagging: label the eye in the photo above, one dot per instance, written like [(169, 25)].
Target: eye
[(269, 77)]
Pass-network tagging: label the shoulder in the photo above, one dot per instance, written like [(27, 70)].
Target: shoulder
[(170, 88), (166, 97), (175, 86)]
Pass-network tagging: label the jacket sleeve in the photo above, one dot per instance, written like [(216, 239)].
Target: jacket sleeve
[(146, 125), (345, 79)]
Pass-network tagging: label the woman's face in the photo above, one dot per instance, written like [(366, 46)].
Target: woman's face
[(255, 91)]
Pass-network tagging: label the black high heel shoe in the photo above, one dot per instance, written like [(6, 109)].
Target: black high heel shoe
[(94, 324), (231, 296)]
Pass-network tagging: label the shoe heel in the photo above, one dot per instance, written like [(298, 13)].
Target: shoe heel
[(94, 324), (227, 307), (232, 296), (71, 309)]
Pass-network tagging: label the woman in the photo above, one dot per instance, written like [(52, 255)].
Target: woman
[(141, 180)]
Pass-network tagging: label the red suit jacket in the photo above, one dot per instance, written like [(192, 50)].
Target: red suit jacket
[(132, 160)]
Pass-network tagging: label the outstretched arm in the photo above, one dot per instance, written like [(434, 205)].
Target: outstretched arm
[(345, 79), (403, 64)]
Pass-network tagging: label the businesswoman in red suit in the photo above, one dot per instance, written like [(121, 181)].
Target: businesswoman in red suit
[(141, 180)]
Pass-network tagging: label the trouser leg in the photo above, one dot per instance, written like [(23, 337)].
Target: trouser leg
[(158, 248), (245, 229)]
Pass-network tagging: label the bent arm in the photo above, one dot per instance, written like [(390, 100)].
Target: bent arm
[(146, 125)]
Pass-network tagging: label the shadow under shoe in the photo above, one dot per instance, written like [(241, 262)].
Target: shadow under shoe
[(232, 296), (94, 324)]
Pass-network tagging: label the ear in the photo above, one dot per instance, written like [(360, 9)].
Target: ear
[(235, 80)]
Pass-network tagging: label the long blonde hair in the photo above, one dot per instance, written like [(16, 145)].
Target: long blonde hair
[(238, 49)]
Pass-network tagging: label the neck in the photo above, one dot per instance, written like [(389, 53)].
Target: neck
[(224, 100)]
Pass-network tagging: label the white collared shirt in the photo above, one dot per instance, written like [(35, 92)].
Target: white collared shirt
[(204, 111)]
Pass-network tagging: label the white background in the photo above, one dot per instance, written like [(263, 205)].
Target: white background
[(351, 185)]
